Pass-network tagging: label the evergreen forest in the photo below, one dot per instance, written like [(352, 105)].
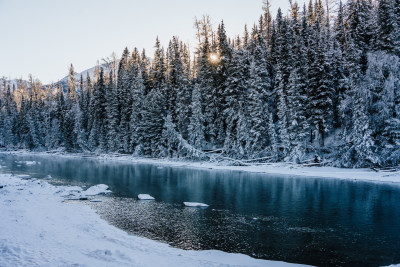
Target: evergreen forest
[(320, 83)]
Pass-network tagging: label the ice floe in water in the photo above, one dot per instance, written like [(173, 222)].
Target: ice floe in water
[(27, 162), (195, 204), (145, 197)]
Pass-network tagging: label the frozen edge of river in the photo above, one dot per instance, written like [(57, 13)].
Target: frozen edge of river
[(273, 168), (38, 228)]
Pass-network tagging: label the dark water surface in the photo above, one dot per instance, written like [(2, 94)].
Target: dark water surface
[(324, 222)]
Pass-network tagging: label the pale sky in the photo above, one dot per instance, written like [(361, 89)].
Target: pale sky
[(43, 37)]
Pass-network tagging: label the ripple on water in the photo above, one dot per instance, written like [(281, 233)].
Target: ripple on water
[(197, 228)]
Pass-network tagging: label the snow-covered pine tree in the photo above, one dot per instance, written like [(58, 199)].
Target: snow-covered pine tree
[(169, 145), (136, 119), (259, 87), (151, 128), (281, 60), (87, 116), (340, 79), (267, 22), (174, 76), (339, 30), (284, 139), (196, 126), (23, 133), (320, 90), (97, 137), (124, 100), (311, 17), (184, 94), (205, 70), (236, 111), (397, 11), (33, 120), (70, 110), (81, 119), (59, 114), (392, 100), (361, 29), (8, 111), (361, 137), (112, 115), (297, 88), (144, 70), (71, 85), (157, 71), (388, 37), (382, 78), (297, 121), (223, 58)]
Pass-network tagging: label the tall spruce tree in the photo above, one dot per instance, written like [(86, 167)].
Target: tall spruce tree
[(97, 137), (388, 38)]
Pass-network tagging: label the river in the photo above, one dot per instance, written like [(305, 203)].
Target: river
[(316, 221)]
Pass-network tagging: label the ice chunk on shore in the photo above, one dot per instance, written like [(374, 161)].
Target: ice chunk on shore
[(96, 190), (145, 197), (68, 190), (195, 204)]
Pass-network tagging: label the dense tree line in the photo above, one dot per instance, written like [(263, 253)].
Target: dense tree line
[(303, 85)]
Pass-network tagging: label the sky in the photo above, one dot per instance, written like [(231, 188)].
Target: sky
[(43, 37)]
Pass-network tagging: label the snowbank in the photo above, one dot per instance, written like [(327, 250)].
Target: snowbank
[(38, 228)]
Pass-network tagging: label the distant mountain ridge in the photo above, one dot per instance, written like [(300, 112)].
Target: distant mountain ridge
[(63, 81)]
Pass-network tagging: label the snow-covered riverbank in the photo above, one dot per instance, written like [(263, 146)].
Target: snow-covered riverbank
[(38, 229), (272, 168)]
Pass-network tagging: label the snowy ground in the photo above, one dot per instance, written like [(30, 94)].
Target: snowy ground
[(272, 168), (37, 228)]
